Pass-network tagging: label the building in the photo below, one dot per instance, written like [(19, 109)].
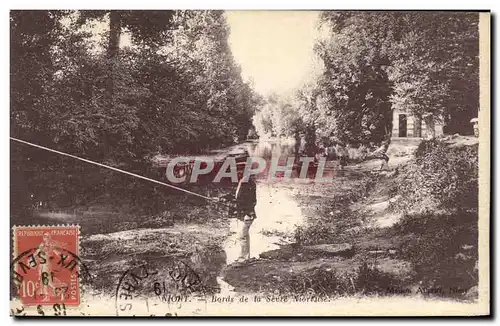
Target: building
[(405, 124)]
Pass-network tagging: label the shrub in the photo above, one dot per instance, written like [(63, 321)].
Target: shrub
[(371, 280), (366, 279), (442, 248), (316, 281), (440, 176)]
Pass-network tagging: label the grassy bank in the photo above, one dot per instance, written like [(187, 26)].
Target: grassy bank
[(429, 245), (438, 196)]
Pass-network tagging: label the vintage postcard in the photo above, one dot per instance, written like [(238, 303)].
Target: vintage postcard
[(249, 163)]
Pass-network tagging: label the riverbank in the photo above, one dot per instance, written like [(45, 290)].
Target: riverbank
[(353, 241)]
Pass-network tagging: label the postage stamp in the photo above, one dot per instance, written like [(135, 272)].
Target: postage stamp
[(45, 266)]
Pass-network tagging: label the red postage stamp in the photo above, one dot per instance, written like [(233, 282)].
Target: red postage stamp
[(46, 264)]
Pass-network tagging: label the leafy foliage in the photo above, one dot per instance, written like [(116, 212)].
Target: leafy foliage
[(277, 117), (443, 249), (375, 62), (441, 176), (176, 87), (318, 284)]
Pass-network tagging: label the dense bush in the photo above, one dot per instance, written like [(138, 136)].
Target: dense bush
[(440, 176), (176, 88), (442, 248), (366, 279), (439, 196)]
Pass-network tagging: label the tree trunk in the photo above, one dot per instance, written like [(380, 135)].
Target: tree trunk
[(388, 135), (310, 139), (430, 127), (381, 151), (113, 51), (112, 59)]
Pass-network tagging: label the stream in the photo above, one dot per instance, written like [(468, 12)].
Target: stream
[(104, 233)]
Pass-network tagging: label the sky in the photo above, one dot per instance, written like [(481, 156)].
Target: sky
[(274, 48)]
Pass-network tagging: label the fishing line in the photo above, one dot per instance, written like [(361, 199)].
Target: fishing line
[(118, 170)]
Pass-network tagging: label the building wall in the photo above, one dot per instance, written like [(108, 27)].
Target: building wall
[(395, 123), (412, 126)]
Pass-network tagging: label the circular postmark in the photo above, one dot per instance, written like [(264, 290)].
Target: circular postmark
[(158, 289), (46, 270), (40, 278)]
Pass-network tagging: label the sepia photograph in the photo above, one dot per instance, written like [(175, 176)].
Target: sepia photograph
[(181, 163)]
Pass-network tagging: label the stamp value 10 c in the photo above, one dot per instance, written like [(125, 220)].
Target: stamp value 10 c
[(45, 268)]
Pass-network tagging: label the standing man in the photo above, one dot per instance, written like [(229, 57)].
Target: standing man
[(243, 200), (342, 155)]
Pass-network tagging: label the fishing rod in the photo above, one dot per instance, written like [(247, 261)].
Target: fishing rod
[(212, 199)]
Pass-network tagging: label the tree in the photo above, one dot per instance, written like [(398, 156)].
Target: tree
[(262, 122), (435, 68), (175, 88), (278, 117), (355, 84), (220, 97), (144, 25), (422, 63)]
